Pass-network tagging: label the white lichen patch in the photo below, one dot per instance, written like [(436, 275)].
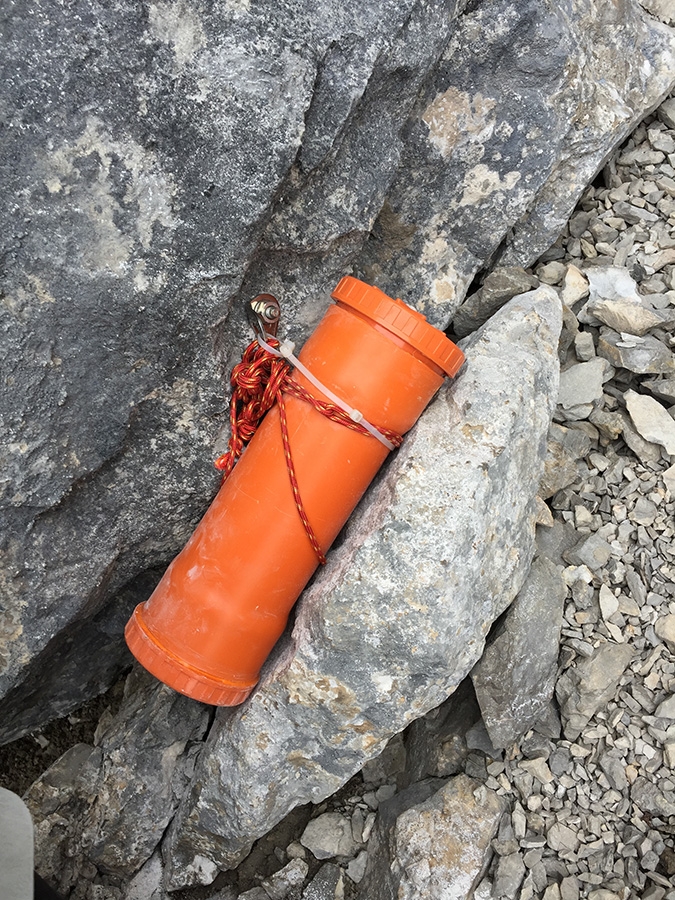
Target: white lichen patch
[(203, 869), (179, 25), (306, 689), (383, 683), (481, 181), (440, 256), (455, 117), (148, 192)]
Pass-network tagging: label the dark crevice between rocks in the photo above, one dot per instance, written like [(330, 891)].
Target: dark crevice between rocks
[(23, 761), (73, 661)]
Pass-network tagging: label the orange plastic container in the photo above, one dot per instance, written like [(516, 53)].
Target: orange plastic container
[(224, 600)]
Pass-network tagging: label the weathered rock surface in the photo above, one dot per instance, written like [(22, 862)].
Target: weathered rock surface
[(515, 678), (464, 156), (146, 150), (399, 615), (167, 160), (435, 848), (89, 806)]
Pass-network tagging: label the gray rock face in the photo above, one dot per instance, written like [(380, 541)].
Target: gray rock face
[(89, 805), (146, 150), (465, 155), (167, 160), (434, 848), (399, 615), (515, 678)]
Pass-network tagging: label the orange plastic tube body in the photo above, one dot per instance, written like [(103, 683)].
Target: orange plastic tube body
[(224, 601)]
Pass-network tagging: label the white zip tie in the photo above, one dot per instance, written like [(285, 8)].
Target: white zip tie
[(285, 350)]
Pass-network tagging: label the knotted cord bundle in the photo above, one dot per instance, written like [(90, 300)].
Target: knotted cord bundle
[(258, 382)]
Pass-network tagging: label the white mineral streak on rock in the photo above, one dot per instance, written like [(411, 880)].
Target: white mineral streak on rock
[(177, 24), (437, 552)]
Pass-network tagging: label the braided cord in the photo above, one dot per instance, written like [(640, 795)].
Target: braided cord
[(258, 382)]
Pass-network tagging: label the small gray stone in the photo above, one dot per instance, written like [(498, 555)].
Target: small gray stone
[(626, 316), (560, 837), (665, 629), (552, 892), (327, 884), (357, 867), (615, 771), (646, 452), (666, 112), (552, 272), (538, 768), (586, 687), (669, 479), (651, 420), (575, 286), (330, 834), (594, 552), (644, 512), (283, 882), (666, 709), (634, 215), (569, 888), (649, 356), (582, 382), (584, 347), (509, 876)]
